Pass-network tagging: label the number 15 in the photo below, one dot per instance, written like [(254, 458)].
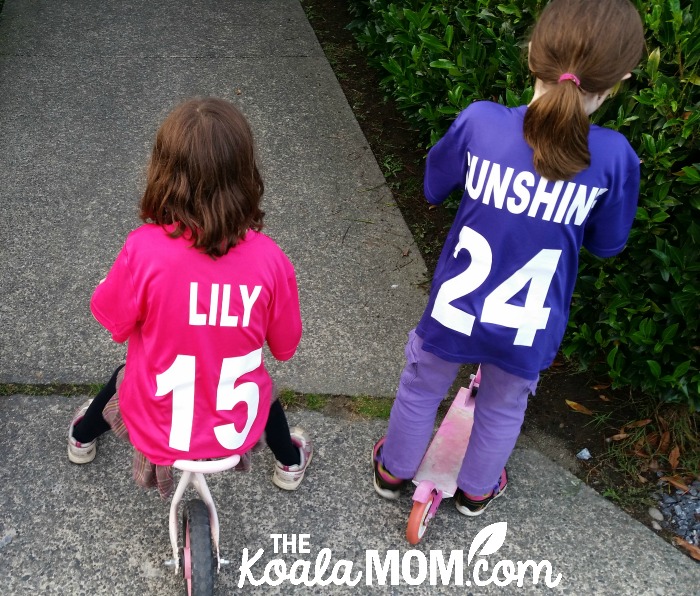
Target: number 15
[(179, 379)]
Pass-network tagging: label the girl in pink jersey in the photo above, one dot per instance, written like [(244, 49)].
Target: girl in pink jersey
[(197, 291)]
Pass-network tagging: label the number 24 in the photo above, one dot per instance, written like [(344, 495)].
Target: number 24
[(527, 319)]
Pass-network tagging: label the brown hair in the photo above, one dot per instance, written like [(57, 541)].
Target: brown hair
[(598, 41), (203, 176)]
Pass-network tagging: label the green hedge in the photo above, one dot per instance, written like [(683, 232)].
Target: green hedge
[(634, 316)]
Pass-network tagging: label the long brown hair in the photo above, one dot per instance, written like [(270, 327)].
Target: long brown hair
[(598, 41), (203, 176)]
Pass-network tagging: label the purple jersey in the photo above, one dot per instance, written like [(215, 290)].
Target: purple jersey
[(503, 284)]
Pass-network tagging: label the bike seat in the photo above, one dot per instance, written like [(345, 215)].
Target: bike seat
[(210, 466)]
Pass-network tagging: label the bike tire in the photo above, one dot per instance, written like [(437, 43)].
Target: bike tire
[(198, 557)]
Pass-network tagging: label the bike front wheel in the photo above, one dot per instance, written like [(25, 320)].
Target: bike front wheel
[(197, 552)]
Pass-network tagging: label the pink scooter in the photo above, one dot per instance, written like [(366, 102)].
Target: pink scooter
[(436, 477)]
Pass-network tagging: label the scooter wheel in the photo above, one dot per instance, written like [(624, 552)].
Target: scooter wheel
[(197, 555), (418, 520)]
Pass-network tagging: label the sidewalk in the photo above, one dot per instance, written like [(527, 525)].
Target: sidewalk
[(85, 85)]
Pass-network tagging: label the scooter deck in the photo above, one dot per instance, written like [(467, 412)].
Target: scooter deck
[(443, 459)]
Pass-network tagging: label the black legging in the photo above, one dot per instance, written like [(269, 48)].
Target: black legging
[(278, 438), (276, 430), (93, 425)]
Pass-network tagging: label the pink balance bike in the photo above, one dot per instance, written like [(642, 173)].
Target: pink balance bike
[(436, 477), (198, 559)]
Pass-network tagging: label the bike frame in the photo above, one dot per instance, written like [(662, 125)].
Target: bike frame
[(193, 473)]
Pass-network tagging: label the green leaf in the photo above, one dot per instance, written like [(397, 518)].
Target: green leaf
[(512, 99), (442, 63), (660, 216), (654, 368), (669, 333), (449, 35), (662, 256), (690, 174), (649, 144), (510, 9), (681, 369), (432, 42), (653, 63)]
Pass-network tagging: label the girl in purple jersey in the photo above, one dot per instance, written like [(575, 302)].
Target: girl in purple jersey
[(540, 182)]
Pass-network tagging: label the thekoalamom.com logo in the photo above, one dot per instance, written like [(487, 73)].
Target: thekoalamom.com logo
[(412, 568)]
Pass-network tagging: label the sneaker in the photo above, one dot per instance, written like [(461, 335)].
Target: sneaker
[(472, 506), (80, 453), (289, 477), (387, 485)]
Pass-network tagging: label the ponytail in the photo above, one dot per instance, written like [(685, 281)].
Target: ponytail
[(576, 45), (556, 127)]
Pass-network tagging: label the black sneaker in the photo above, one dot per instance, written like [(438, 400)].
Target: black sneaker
[(387, 485), (472, 507)]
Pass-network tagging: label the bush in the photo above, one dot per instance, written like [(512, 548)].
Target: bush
[(441, 57), (634, 316)]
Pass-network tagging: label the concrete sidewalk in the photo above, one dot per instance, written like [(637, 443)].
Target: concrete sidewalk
[(90, 530), (85, 85)]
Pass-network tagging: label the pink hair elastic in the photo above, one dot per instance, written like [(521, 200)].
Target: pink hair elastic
[(567, 76)]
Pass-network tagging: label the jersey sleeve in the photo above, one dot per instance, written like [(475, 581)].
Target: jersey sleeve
[(609, 224), (446, 165), (114, 302), (284, 326)]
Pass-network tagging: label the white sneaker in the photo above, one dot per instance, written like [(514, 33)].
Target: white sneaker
[(290, 477), (80, 453)]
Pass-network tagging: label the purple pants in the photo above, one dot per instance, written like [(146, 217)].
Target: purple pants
[(498, 416)]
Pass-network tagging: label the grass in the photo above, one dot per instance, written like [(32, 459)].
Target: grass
[(660, 446), (65, 389), (426, 242), (665, 438), (311, 13), (331, 50), (629, 497), (391, 165), (660, 437), (372, 407), (365, 407), (600, 420), (316, 402)]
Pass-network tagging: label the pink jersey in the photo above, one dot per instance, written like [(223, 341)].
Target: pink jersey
[(195, 385)]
